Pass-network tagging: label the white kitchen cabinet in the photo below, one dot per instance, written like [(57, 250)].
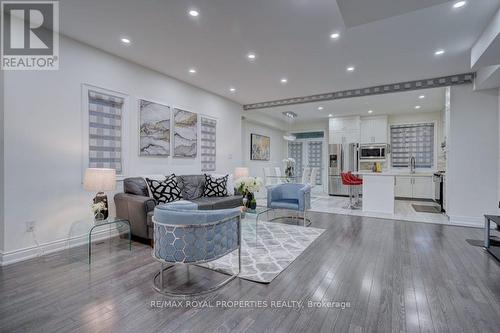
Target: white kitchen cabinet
[(373, 129), (414, 187), (344, 130), (403, 187), (423, 187)]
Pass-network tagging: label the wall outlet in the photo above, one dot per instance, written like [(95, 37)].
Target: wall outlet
[(30, 226)]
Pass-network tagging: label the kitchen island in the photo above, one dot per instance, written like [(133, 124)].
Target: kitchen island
[(379, 189), (378, 192)]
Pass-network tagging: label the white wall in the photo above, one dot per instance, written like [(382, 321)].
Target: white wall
[(277, 148), (498, 152), (472, 162), (43, 138), (2, 196)]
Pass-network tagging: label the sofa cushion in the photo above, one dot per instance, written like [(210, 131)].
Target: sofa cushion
[(227, 202), (292, 204), (166, 190), (135, 185), (204, 203), (191, 186), (215, 187)]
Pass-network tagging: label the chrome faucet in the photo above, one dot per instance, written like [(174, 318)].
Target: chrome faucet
[(412, 164)]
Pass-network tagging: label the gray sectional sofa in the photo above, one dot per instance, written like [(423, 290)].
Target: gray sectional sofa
[(135, 204)]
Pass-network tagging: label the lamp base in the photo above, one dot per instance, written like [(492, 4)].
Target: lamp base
[(101, 197)]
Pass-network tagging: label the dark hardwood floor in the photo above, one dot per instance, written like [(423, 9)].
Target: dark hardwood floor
[(396, 276)]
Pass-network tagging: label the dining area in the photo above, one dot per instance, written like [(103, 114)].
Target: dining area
[(307, 175)]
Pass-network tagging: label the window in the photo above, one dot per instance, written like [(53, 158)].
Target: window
[(415, 140), (315, 158), (105, 131), (208, 144), (295, 150)]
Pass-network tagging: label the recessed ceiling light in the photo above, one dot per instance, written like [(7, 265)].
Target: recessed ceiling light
[(417, 107), (192, 71), (284, 80), (290, 114), (194, 13), (320, 108), (459, 4), (125, 40), (421, 96), (334, 35), (251, 56), (370, 111), (232, 89), (330, 115), (350, 68), (439, 52)]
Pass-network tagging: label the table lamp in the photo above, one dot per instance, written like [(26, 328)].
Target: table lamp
[(240, 172), (100, 180)]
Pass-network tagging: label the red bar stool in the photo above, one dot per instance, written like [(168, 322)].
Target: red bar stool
[(347, 180), (358, 182)]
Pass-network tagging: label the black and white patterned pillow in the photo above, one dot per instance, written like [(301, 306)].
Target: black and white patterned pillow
[(215, 187), (164, 191)]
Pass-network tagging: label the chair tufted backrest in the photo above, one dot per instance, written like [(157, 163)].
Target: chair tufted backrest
[(187, 235)]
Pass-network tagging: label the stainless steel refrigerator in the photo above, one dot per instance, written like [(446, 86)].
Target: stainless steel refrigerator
[(343, 158)]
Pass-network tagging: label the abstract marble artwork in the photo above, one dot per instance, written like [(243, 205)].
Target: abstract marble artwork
[(185, 133), (154, 129)]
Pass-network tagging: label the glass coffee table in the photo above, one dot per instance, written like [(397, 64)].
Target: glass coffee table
[(255, 214), (85, 232)]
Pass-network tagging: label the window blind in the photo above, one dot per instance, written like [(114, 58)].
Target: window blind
[(105, 131), (315, 153), (208, 144), (415, 140), (295, 150)]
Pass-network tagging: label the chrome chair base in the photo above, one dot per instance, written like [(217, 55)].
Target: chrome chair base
[(306, 221), (158, 283)]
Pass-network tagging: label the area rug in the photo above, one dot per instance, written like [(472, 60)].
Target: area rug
[(426, 209), (263, 258)]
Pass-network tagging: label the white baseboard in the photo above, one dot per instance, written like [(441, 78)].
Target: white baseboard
[(467, 221), (11, 257)]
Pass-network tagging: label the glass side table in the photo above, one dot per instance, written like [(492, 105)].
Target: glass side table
[(84, 232), (255, 214)]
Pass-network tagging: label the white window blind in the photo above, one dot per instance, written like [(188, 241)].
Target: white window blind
[(105, 131), (415, 140), (315, 158), (295, 151), (208, 144)]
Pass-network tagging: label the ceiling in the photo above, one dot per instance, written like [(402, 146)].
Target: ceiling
[(290, 37), (387, 104)]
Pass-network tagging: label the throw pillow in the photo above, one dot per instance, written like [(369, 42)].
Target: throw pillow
[(164, 191), (230, 182), (215, 187)]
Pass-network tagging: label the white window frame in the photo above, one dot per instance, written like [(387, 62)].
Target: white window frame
[(85, 127)]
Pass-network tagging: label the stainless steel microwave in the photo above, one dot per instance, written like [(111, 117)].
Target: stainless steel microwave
[(373, 152)]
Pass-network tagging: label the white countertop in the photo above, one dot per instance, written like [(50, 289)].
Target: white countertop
[(394, 173)]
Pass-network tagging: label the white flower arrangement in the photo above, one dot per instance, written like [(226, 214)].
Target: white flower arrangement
[(98, 207), (289, 161), (248, 184)]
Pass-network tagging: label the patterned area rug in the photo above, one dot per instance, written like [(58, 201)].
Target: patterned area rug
[(276, 247)]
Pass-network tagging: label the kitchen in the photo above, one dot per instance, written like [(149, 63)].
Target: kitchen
[(400, 157)]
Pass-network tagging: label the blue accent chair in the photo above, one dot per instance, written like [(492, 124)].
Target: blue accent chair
[(295, 197), (184, 235)]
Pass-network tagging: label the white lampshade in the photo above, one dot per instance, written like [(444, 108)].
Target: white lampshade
[(99, 180), (240, 172)]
